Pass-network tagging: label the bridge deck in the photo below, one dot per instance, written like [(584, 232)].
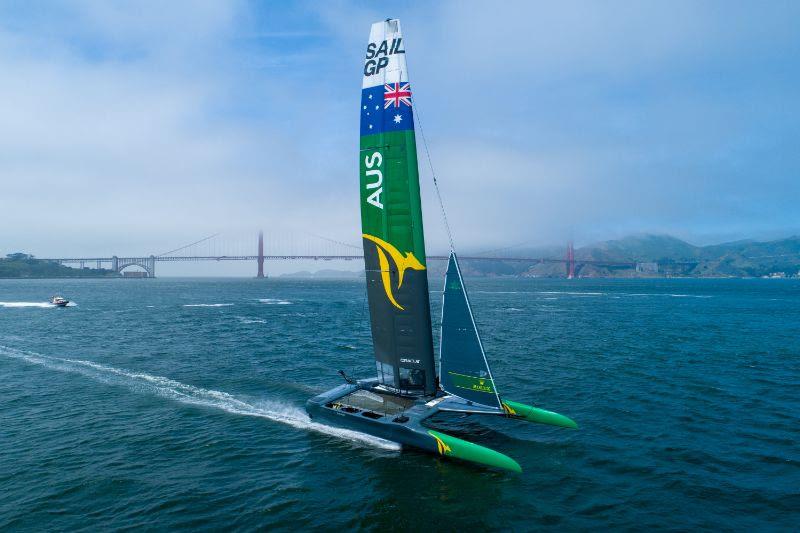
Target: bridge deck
[(323, 257)]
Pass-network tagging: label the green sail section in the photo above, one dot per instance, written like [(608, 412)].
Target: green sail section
[(464, 369), (391, 219)]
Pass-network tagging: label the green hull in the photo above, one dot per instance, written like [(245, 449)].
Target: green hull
[(453, 447), (534, 414)]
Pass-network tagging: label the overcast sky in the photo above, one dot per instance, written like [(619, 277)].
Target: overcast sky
[(137, 127)]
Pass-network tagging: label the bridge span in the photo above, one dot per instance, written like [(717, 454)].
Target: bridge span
[(334, 251), (148, 264)]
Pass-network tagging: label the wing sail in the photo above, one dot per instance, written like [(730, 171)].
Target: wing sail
[(391, 218)]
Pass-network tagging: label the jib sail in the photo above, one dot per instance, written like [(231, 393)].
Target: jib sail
[(391, 218), (463, 366)]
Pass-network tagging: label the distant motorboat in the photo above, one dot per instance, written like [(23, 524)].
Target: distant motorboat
[(59, 301)]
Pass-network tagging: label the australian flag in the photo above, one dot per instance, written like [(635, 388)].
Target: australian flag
[(386, 108)]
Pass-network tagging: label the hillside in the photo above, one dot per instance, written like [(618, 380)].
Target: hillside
[(675, 257), (26, 266)]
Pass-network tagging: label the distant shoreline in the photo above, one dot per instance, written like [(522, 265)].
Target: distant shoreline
[(25, 266), (634, 257), (62, 277)]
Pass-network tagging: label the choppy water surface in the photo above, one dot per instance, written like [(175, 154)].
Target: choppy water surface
[(179, 403)]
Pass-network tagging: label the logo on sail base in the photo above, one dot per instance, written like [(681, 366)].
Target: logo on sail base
[(402, 261), (473, 383)]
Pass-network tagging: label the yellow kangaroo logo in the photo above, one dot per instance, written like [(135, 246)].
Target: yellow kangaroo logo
[(402, 261), (440, 445), (508, 409)]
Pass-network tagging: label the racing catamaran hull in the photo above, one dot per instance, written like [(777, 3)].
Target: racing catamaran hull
[(367, 407), (405, 428)]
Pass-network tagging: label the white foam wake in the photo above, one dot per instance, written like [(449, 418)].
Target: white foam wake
[(572, 293), (207, 305), (274, 301), (250, 320), (188, 394), (669, 295), (43, 305)]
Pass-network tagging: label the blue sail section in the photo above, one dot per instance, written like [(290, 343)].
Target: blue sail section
[(386, 108), (464, 370)]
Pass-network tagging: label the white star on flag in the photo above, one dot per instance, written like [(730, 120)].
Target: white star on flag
[(397, 119)]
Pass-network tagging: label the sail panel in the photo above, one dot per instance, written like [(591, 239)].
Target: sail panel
[(391, 218), (464, 369)]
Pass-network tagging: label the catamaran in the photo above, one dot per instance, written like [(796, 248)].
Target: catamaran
[(407, 391)]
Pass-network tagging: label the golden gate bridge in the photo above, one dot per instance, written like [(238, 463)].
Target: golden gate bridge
[(287, 248)]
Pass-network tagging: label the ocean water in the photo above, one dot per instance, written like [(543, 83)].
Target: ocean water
[(178, 403)]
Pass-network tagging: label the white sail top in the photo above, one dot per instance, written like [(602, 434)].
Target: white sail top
[(385, 61)]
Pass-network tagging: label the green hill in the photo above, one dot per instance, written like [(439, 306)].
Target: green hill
[(21, 265), (674, 257)]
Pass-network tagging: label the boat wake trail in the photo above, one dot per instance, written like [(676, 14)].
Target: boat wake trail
[(188, 394), (43, 305), (274, 301)]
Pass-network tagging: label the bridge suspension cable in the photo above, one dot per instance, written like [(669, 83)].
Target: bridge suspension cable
[(334, 241), (204, 239), (503, 249)]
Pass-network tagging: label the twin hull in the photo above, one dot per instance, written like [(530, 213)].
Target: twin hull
[(404, 427), (366, 408)]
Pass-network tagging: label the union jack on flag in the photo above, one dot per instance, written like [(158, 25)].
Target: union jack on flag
[(394, 94)]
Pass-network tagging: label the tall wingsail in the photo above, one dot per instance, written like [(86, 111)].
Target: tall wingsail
[(464, 369), (391, 218)]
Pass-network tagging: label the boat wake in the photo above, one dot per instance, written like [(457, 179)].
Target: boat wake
[(274, 301), (671, 295), (250, 320), (42, 305), (207, 305), (188, 394)]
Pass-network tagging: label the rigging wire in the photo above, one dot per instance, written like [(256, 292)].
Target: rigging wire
[(503, 249), (334, 241), (418, 114), (433, 175), (188, 245)]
